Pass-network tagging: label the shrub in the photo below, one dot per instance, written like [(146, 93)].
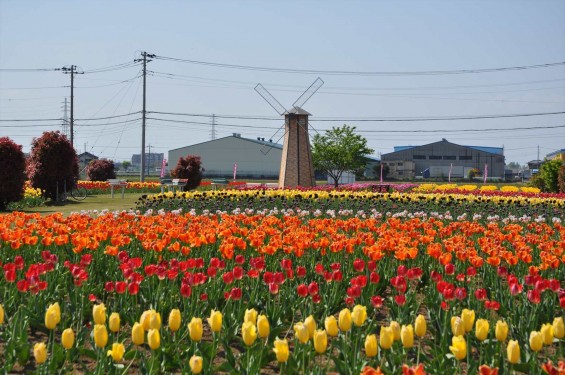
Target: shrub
[(100, 170), (561, 179), (12, 172), (53, 162), (473, 173), (548, 173), (189, 167)]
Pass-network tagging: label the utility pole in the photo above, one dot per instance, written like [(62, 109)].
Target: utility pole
[(65, 119), (213, 132), (143, 112), (149, 160), (72, 71), (538, 153)]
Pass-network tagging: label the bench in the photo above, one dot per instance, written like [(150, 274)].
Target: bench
[(117, 183), (380, 188), (219, 182), (172, 184)]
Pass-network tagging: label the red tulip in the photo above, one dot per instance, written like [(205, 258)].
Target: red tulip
[(185, 290), (337, 275), (286, 264), (400, 299), (460, 293), (371, 265), (319, 269), (515, 289), (19, 262), (449, 269), (554, 285), (22, 285), (374, 278), (534, 295), (204, 296), (238, 273), (359, 265), (109, 286), (481, 294), (133, 288), (211, 271), (121, 287), (235, 294), (402, 270), (316, 298), (300, 271), (239, 259), (302, 290), (377, 301), (313, 288), (215, 262), (273, 288), (227, 277)]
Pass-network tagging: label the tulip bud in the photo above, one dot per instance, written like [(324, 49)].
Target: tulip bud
[(395, 326), (301, 332), (331, 326), (68, 338), (501, 330), (468, 317), (311, 326), (457, 326), (99, 313), (359, 315), (114, 322), (344, 320), (250, 316), (52, 316), (117, 352), (547, 334), (195, 329), (1, 314), (154, 320), (320, 341), (40, 353), (195, 363), (371, 347), (386, 338), (263, 327), (281, 350), (407, 336), (249, 333), (558, 328), (513, 351), (536, 341), (481, 329), (215, 321), (174, 320), (153, 339), (420, 326), (137, 334), (100, 335), (458, 347)]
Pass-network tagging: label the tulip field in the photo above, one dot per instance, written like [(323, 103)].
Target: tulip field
[(245, 281)]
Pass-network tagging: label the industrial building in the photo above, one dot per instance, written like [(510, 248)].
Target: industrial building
[(255, 158), (443, 158)]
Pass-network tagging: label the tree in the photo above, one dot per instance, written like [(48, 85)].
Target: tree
[(377, 170), (561, 179), (53, 163), (549, 172), (126, 164), (100, 170), (339, 150), (189, 167), (12, 172), (515, 165)]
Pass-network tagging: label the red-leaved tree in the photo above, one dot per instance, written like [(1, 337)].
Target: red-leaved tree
[(189, 167), (100, 170), (12, 172), (53, 162)]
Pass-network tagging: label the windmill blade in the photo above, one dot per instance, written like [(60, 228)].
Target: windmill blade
[(306, 95), (268, 147), (270, 99)]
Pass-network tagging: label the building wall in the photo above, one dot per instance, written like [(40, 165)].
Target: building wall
[(443, 154), (218, 157), (401, 169)]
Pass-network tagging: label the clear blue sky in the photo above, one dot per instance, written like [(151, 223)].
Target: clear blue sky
[(397, 35)]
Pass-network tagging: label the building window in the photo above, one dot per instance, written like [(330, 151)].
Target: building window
[(434, 157), (400, 164), (465, 158), (419, 157), (449, 157), (391, 164)]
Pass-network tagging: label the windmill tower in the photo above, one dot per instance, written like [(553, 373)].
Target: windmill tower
[(297, 167)]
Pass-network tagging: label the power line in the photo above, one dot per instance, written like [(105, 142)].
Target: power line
[(17, 70), (78, 119), (79, 125), (361, 73)]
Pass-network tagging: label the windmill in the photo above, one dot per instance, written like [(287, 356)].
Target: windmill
[(297, 168)]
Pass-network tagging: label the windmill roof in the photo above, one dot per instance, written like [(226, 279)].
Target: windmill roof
[(298, 111)]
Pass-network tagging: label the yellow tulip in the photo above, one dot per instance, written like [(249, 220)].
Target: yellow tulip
[(99, 313), (558, 328), (114, 322), (249, 333), (311, 326), (536, 341), (250, 316), (344, 320), (481, 329), (371, 347), (100, 335), (331, 326), (458, 347), (195, 329), (174, 320), (68, 338), (137, 334), (547, 334), (154, 339), (1, 314), (281, 350), (457, 326), (395, 326), (407, 336), (386, 338), (117, 352), (301, 332), (320, 341), (215, 321), (263, 327), (150, 319), (40, 353), (359, 315), (468, 317), (52, 316), (501, 330), (420, 326), (513, 351), (195, 363)]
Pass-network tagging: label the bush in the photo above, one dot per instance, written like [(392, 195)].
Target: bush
[(561, 179), (100, 170), (548, 173), (189, 167), (53, 162), (12, 172), (473, 173)]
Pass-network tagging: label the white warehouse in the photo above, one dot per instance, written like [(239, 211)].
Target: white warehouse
[(255, 158)]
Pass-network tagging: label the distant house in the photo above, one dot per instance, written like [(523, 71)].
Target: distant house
[(557, 155), (85, 158)]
